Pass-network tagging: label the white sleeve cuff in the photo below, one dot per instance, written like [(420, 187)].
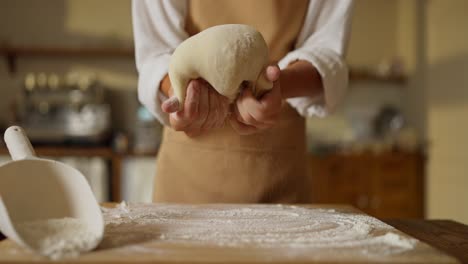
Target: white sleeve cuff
[(151, 75), (334, 73)]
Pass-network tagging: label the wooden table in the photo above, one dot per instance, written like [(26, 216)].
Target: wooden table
[(446, 235)]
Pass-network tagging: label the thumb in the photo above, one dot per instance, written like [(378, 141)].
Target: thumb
[(272, 73)]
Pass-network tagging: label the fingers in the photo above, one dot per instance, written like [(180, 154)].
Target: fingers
[(171, 105), (245, 104), (221, 110), (245, 117), (252, 115), (218, 110), (213, 110), (204, 109), (197, 120), (240, 128), (181, 120), (192, 101), (255, 113), (224, 108), (272, 73), (272, 99)]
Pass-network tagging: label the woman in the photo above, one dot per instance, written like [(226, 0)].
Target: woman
[(254, 150)]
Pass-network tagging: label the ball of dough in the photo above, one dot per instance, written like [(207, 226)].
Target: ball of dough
[(226, 56)]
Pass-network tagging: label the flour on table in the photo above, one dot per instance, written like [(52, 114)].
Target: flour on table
[(259, 226), (58, 238)]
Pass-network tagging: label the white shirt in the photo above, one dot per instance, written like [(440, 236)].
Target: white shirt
[(158, 27)]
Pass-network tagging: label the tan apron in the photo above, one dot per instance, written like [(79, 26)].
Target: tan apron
[(221, 166)]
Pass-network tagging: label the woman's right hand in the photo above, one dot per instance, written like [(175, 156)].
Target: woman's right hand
[(204, 109)]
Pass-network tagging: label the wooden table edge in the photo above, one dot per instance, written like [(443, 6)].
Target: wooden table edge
[(448, 236)]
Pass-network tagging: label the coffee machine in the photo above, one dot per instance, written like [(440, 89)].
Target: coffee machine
[(64, 109)]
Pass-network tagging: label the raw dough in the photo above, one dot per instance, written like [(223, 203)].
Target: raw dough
[(225, 56)]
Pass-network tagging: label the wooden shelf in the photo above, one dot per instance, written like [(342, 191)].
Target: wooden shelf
[(104, 152), (67, 51), (357, 75), (132, 154), (13, 52), (69, 151)]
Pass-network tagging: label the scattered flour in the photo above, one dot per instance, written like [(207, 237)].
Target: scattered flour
[(58, 238), (258, 226), (398, 241)]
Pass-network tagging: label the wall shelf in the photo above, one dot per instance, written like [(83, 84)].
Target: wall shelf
[(358, 75), (12, 53)]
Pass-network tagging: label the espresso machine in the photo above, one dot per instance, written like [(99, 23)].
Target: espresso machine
[(64, 109)]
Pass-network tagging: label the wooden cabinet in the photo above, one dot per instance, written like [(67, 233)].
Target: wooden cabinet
[(385, 185)]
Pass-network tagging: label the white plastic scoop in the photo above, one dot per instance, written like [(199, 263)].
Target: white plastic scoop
[(38, 190)]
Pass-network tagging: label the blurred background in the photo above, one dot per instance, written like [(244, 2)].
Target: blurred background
[(397, 147)]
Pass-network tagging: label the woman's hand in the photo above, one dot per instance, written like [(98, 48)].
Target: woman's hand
[(251, 115), (204, 109)]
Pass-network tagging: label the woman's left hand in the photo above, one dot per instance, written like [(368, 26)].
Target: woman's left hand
[(250, 115)]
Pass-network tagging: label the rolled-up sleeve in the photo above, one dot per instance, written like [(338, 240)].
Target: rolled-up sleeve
[(158, 28), (322, 42)]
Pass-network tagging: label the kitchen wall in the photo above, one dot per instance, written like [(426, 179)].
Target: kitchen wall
[(373, 26), (382, 32), (59, 23), (387, 30), (428, 36), (447, 102), (376, 37), (431, 39), (87, 23)]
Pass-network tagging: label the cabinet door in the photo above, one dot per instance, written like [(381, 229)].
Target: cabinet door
[(340, 179), (388, 185), (397, 187), (318, 173)]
